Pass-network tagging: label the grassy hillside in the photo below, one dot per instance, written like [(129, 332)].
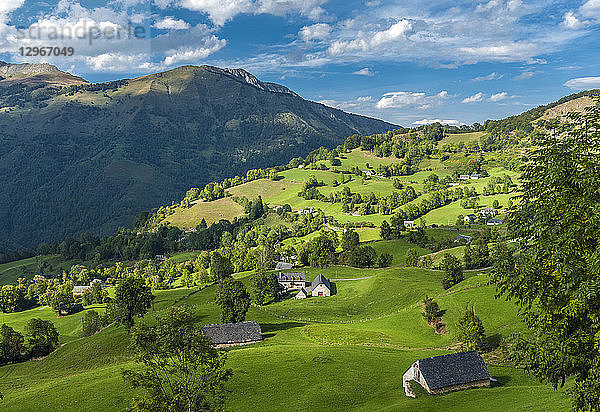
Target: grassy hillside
[(355, 349)]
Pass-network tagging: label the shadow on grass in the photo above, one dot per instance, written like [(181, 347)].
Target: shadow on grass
[(501, 380), (269, 329)]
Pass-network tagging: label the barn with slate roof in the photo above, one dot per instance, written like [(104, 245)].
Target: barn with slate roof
[(445, 373), (233, 334)]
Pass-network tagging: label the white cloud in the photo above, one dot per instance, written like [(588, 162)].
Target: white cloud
[(571, 21), (364, 98), (591, 9), (496, 97), (118, 62), (419, 100), (364, 72), (527, 74), (367, 42), (190, 54), (477, 97), (491, 76), (221, 11), (504, 51), (450, 122), (583, 83), (170, 23), (319, 31), (7, 6)]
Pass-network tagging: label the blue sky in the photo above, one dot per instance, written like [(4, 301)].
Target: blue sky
[(408, 62)]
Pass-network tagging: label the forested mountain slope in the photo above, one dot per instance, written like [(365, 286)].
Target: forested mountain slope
[(89, 157)]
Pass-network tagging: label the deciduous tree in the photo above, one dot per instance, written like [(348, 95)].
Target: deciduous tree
[(181, 372)]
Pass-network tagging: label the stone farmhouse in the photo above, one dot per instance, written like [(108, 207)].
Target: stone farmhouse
[(409, 224), (439, 374), (291, 281), (233, 334), (320, 286)]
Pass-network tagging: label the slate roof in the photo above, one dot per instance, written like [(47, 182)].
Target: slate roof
[(283, 266), (228, 333), (78, 290), (291, 276), (454, 369), (317, 281)]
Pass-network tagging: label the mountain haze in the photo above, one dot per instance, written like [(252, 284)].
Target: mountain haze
[(80, 157)]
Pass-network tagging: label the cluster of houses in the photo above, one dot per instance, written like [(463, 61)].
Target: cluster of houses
[(80, 290), (468, 177), (320, 286), (487, 214)]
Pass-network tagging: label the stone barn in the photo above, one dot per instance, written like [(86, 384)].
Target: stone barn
[(446, 373), (233, 334), (320, 286)]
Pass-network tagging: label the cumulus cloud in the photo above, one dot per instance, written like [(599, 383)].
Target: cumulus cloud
[(170, 23), (188, 54), (571, 21), (491, 76), (450, 122), (319, 31), (364, 72), (221, 11), (368, 41), (477, 97), (583, 83), (591, 9), (419, 100), (496, 97)]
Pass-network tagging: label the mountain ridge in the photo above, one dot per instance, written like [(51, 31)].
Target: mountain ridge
[(91, 156)]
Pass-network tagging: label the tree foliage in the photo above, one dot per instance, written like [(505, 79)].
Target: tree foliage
[(233, 299), (554, 278), (453, 271), (181, 370), (132, 298), (470, 331)]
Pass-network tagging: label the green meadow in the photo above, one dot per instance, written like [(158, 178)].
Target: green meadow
[(353, 346)]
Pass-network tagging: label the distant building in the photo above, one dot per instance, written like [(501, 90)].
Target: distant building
[(494, 222), (80, 290), (284, 266), (460, 238), (320, 286), (307, 211), (160, 258), (409, 224), (470, 218), (487, 211), (233, 334), (474, 177), (445, 373), (451, 184), (464, 177), (291, 281)]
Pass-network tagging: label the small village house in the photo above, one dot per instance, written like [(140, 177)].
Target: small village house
[(291, 281), (470, 218), (439, 374), (474, 177), (461, 238), (494, 222), (409, 224), (464, 177), (320, 286), (233, 334), (80, 290)]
